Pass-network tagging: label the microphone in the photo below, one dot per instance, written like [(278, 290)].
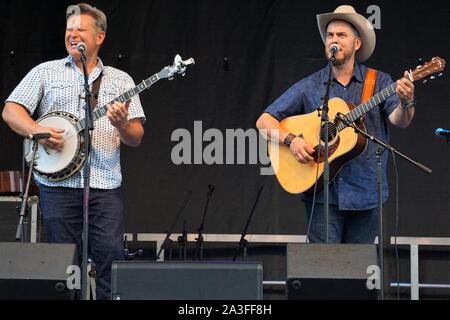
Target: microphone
[(211, 187), (442, 132), (81, 47), (334, 48), (39, 136)]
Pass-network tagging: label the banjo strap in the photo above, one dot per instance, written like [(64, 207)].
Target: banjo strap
[(96, 90)]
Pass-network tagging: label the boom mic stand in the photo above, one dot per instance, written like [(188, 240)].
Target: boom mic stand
[(199, 245), (167, 240), (380, 151), (89, 127), (243, 242)]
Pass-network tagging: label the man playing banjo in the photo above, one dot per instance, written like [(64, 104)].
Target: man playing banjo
[(58, 86)]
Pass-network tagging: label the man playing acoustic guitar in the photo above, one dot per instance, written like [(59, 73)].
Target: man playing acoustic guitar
[(353, 210)]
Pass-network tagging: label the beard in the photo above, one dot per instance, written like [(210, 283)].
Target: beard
[(338, 62), (341, 59)]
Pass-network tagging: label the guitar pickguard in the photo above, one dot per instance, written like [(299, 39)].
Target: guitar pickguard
[(332, 147)]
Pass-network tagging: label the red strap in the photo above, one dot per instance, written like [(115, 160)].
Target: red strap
[(369, 85)]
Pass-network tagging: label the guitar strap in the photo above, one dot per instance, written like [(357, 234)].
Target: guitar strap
[(96, 91), (369, 85)]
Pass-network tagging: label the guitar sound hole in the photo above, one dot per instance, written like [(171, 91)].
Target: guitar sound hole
[(332, 132)]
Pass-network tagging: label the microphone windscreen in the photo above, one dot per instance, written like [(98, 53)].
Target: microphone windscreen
[(81, 47)]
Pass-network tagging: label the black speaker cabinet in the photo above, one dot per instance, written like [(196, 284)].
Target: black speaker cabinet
[(35, 271), (330, 271), (187, 281)]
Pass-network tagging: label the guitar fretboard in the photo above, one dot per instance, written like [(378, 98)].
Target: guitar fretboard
[(124, 97), (365, 107)]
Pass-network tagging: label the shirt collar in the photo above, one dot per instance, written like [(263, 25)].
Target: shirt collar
[(70, 62), (358, 73)]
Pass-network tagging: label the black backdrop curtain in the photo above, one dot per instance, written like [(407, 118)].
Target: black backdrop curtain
[(247, 53)]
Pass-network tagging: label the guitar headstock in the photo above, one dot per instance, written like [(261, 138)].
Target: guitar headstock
[(429, 69), (178, 67)]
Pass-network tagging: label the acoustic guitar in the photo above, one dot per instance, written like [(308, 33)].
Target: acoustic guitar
[(344, 143)]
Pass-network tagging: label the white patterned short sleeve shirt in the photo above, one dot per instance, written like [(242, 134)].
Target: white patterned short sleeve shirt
[(58, 86)]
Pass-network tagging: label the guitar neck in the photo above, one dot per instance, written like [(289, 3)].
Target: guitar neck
[(101, 111), (365, 107)]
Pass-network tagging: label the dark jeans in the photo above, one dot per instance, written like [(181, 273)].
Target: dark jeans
[(345, 226), (62, 210)]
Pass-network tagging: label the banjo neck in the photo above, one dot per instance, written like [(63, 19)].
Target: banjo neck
[(101, 111), (178, 67)]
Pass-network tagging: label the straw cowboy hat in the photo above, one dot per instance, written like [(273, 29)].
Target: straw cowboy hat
[(364, 27)]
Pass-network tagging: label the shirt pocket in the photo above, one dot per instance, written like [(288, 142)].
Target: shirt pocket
[(64, 96), (107, 95)]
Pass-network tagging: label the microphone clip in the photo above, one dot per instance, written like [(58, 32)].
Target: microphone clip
[(39, 136)]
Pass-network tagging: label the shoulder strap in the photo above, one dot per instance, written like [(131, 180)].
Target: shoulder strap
[(369, 85), (96, 90)]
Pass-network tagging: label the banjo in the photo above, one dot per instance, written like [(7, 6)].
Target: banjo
[(60, 165)]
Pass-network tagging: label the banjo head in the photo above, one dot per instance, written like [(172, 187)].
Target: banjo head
[(49, 161)]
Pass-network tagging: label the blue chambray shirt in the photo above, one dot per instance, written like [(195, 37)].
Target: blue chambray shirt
[(355, 187), (59, 86)]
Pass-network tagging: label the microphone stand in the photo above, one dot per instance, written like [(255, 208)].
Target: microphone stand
[(167, 241), (89, 127), (243, 242), (324, 125), (380, 151), (199, 245), (182, 243), (19, 231), (22, 183)]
